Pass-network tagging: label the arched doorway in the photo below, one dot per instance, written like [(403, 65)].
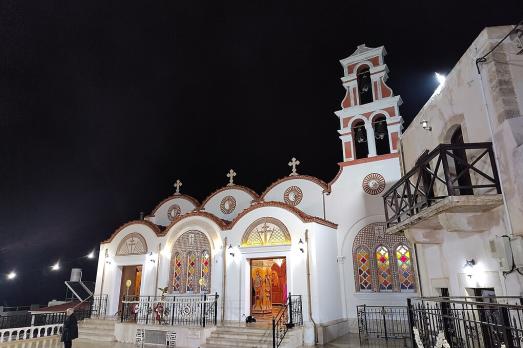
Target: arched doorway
[(461, 172), (268, 275)]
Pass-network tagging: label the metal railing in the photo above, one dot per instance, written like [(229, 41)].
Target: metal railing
[(99, 306), (448, 170), (386, 322), (467, 321), (185, 310), (289, 316)]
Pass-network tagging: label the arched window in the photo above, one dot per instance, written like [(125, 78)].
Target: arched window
[(359, 134), (382, 262), (405, 275), (191, 263), (383, 269), (381, 133), (204, 274), (364, 85), (191, 272), (178, 271), (364, 270), (461, 170)]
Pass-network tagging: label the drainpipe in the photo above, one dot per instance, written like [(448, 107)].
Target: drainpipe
[(224, 277), (417, 269), (309, 299), (323, 196)]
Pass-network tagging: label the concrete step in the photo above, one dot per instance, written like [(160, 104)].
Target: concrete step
[(242, 336), (235, 343), (96, 337), (94, 331)]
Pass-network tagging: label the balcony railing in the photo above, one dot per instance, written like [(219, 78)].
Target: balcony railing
[(448, 170), (468, 322), (182, 310)]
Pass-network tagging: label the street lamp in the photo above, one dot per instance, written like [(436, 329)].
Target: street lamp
[(56, 266), (11, 275)]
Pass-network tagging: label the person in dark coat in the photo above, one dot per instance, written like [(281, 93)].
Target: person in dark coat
[(70, 330)]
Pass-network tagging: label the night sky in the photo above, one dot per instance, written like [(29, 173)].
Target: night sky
[(104, 104)]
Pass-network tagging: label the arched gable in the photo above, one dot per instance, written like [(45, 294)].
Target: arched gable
[(149, 225), (172, 207), (226, 203), (301, 191)]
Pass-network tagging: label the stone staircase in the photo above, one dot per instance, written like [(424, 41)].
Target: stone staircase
[(96, 330), (230, 336)]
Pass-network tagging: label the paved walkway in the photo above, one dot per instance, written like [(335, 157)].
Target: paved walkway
[(348, 341)]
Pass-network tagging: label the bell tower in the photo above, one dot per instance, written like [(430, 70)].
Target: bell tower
[(370, 123)]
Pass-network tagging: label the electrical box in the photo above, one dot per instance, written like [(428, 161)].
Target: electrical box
[(517, 251), (500, 248)]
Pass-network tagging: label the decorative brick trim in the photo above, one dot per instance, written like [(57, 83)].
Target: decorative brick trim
[(313, 179), (303, 216), (249, 191), (149, 224)]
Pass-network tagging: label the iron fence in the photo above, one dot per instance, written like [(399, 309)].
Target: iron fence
[(290, 315), (467, 322), (383, 322), (190, 310), (39, 319), (448, 170), (99, 306)]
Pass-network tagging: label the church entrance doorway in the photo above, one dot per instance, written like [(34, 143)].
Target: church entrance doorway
[(131, 281), (268, 286)]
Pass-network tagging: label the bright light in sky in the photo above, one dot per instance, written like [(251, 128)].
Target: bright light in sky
[(56, 266), (91, 255), (440, 78), (11, 275)]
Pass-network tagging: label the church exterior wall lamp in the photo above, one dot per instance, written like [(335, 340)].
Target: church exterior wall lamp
[(300, 244), (469, 264), (425, 125), (231, 250)]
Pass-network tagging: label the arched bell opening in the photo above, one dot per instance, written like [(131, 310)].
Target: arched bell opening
[(381, 133), (364, 85), (360, 139)]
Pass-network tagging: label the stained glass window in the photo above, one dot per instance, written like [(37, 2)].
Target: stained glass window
[(383, 269), (191, 272), (204, 279), (364, 270), (177, 276), (405, 274)]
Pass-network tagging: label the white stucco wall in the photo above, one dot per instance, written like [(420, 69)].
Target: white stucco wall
[(160, 215), (243, 201)]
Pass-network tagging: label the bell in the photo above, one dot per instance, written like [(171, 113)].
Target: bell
[(361, 137), (379, 131)]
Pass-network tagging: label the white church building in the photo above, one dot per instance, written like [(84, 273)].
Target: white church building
[(323, 241), (330, 242)]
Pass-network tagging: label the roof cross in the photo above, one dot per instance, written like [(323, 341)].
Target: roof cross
[(293, 163), (178, 184), (231, 176)]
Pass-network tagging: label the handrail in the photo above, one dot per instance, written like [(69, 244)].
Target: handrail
[(445, 171)]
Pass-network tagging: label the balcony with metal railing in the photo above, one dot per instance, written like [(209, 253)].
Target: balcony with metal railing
[(452, 178)]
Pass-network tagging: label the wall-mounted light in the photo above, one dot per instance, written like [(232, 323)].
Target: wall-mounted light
[(231, 252), (300, 243), (425, 125), (469, 263), (151, 257)]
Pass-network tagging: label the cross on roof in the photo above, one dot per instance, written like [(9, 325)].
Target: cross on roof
[(231, 176), (293, 163), (178, 184)]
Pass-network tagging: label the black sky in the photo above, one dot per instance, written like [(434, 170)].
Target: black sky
[(104, 104)]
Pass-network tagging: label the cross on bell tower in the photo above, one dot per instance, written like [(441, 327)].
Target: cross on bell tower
[(231, 176), (370, 122)]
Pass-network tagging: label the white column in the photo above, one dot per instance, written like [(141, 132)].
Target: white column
[(371, 141)]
